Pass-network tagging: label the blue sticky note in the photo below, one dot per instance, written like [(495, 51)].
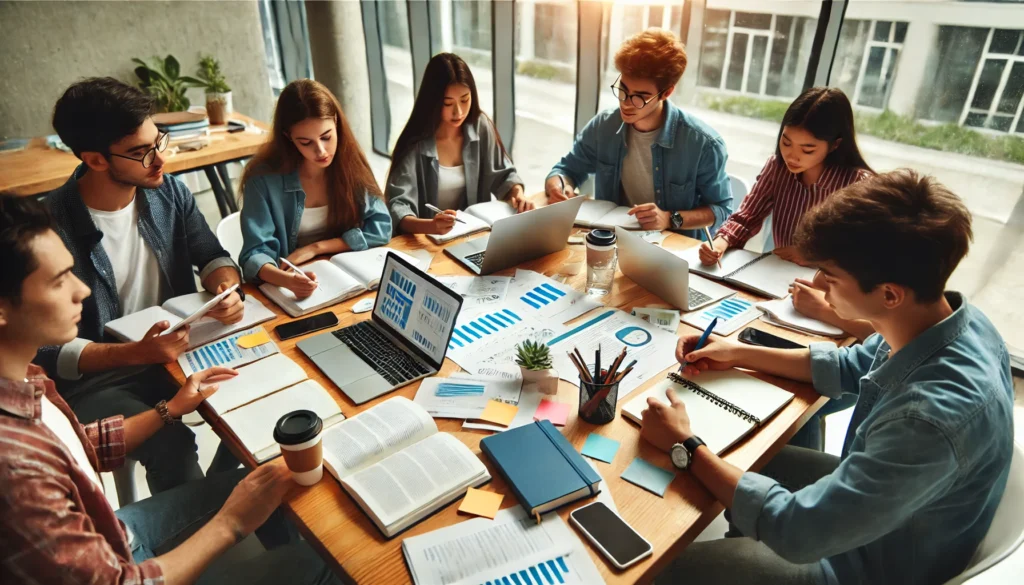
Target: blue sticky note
[(650, 477), (600, 448)]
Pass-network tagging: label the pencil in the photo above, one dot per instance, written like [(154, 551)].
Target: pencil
[(707, 233), (438, 210), (597, 365)]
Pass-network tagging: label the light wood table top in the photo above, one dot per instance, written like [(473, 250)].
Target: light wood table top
[(39, 168), (333, 522)]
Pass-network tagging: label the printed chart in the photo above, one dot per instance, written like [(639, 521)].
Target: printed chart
[(535, 295), (484, 344), (732, 313), (540, 296), (482, 325)]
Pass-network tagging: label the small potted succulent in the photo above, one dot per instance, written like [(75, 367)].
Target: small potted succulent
[(534, 360), (218, 93)]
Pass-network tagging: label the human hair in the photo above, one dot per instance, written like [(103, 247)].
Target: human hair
[(442, 70), (21, 220), (349, 177), (898, 227), (826, 113), (654, 54), (97, 112)]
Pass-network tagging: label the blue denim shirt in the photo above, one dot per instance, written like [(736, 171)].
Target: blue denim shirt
[(170, 224), (925, 462), (271, 213), (688, 158)]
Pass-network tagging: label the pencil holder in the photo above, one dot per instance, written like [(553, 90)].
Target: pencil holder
[(597, 402)]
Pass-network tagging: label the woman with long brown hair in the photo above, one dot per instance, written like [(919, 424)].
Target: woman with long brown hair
[(449, 155), (308, 192)]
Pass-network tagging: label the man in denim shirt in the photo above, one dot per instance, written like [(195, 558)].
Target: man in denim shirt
[(135, 235), (648, 154), (928, 450)]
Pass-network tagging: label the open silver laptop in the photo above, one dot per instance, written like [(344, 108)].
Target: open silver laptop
[(665, 274), (404, 340), (519, 238)]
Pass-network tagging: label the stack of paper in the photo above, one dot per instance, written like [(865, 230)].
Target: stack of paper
[(782, 313)]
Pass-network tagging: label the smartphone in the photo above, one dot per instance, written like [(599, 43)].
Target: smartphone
[(753, 336), (306, 325), (616, 540)]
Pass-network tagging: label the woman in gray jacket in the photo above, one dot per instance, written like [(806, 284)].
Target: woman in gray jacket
[(449, 155)]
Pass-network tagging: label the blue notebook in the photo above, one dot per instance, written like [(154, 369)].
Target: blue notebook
[(541, 466)]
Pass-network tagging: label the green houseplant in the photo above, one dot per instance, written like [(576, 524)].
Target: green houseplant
[(218, 93), (534, 359), (161, 79)]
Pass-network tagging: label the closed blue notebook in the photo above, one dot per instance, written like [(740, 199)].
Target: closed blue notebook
[(541, 466)]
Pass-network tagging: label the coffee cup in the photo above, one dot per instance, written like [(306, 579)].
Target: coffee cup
[(298, 435)]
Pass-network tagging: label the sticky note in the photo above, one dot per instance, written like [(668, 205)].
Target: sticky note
[(648, 476), (556, 412), (600, 448), (499, 413), (481, 503), (253, 339)]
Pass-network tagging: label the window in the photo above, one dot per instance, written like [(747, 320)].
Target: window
[(394, 36), (866, 60), (994, 100), (469, 28)]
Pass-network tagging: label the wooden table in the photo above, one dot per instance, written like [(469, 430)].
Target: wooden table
[(38, 168), (344, 535)]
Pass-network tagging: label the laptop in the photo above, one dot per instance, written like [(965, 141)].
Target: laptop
[(519, 238), (665, 274), (405, 339)]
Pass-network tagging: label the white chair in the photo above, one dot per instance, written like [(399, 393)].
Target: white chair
[(763, 241), (1006, 534), (229, 233), (124, 483)]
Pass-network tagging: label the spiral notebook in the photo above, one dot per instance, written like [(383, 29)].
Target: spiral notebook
[(764, 274), (723, 407)]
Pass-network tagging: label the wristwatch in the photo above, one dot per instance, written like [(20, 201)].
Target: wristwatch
[(682, 453), (676, 220)]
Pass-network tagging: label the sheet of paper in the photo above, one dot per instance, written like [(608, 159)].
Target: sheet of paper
[(481, 503), (499, 413), (534, 295), (600, 447), (478, 291), (225, 352), (456, 397), (667, 319), (648, 476), (732, 313), (528, 403), (252, 340), (556, 412), (484, 343), (784, 313), (653, 348)]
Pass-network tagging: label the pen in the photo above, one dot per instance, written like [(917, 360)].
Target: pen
[(700, 342), (597, 366), (438, 210), (707, 233), (299, 270), (562, 181)]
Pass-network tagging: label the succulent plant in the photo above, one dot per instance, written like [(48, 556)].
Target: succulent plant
[(533, 355)]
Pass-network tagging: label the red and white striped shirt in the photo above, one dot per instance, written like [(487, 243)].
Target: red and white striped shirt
[(780, 192)]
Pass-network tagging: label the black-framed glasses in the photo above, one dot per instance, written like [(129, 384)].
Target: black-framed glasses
[(638, 101), (162, 140)]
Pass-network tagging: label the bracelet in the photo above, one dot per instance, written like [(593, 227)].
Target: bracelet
[(161, 408)]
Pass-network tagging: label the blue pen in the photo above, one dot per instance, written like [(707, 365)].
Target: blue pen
[(700, 342)]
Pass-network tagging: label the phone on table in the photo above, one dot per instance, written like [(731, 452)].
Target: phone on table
[(306, 325), (753, 336), (606, 530)]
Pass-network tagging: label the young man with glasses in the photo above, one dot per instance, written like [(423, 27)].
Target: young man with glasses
[(648, 154), (135, 236)]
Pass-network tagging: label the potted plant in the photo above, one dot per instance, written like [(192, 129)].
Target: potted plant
[(161, 80), (534, 360), (218, 94)]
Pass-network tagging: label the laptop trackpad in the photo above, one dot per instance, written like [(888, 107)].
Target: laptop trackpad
[(342, 365), (366, 389)]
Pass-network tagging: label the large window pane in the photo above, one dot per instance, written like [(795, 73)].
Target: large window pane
[(394, 36), (466, 31), (737, 60)]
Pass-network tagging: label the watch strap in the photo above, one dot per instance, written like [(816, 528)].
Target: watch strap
[(165, 415), (241, 293), (692, 443)]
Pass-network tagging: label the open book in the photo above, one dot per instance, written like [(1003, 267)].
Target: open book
[(476, 218), (254, 381), (723, 406), (606, 215), (134, 327), (342, 277), (781, 312), (764, 274), (393, 461)]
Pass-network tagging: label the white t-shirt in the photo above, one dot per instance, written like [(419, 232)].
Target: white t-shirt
[(451, 188), (136, 271), (637, 168), (55, 420), (312, 225)]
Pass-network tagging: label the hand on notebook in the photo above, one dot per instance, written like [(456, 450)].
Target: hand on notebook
[(810, 301), (155, 348), (790, 254), (711, 253), (663, 424), (444, 222), (190, 395), (518, 200), (558, 188), (716, 354), (255, 498), (303, 284), (231, 309), (651, 217)]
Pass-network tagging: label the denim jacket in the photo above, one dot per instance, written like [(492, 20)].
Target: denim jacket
[(271, 213), (170, 224), (924, 466), (688, 157)]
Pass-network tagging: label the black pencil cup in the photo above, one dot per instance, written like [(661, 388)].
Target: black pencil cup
[(597, 402)]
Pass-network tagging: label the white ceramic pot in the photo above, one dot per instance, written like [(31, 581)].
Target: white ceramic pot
[(544, 381)]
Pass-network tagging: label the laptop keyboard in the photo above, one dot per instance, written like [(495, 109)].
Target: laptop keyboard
[(380, 353), (698, 298), (477, 259)]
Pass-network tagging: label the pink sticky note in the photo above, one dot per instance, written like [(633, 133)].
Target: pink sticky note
[(556, 412)]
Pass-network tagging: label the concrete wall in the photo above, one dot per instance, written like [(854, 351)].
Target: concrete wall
[(46, 46)]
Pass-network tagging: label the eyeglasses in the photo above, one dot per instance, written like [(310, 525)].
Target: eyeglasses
[(638, 101), (147, 159)]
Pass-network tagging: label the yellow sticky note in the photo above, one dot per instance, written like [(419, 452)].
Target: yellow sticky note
[(253, 339), (499, 413), (481, 503)]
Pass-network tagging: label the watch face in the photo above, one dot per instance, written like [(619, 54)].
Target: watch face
[(677, 220), (680, 457)]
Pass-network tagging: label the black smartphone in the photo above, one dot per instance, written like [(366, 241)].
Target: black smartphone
[(606, 530), (757, 337), (306, 325)]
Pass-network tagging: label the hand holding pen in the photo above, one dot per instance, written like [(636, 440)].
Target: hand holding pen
[(304, 282), (440, 211)]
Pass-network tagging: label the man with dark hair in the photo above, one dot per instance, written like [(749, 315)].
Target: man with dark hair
[(135, 236), (928, 452), (55, 523)]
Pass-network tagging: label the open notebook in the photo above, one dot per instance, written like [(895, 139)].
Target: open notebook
[(133, 327), (342, 277), (723, 406), (765, 274), (476, 218), (782, 313), (605, 214), (393, 461), (254, 381)]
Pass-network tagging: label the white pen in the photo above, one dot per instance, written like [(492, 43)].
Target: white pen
[(437, 210), (299, 270)]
